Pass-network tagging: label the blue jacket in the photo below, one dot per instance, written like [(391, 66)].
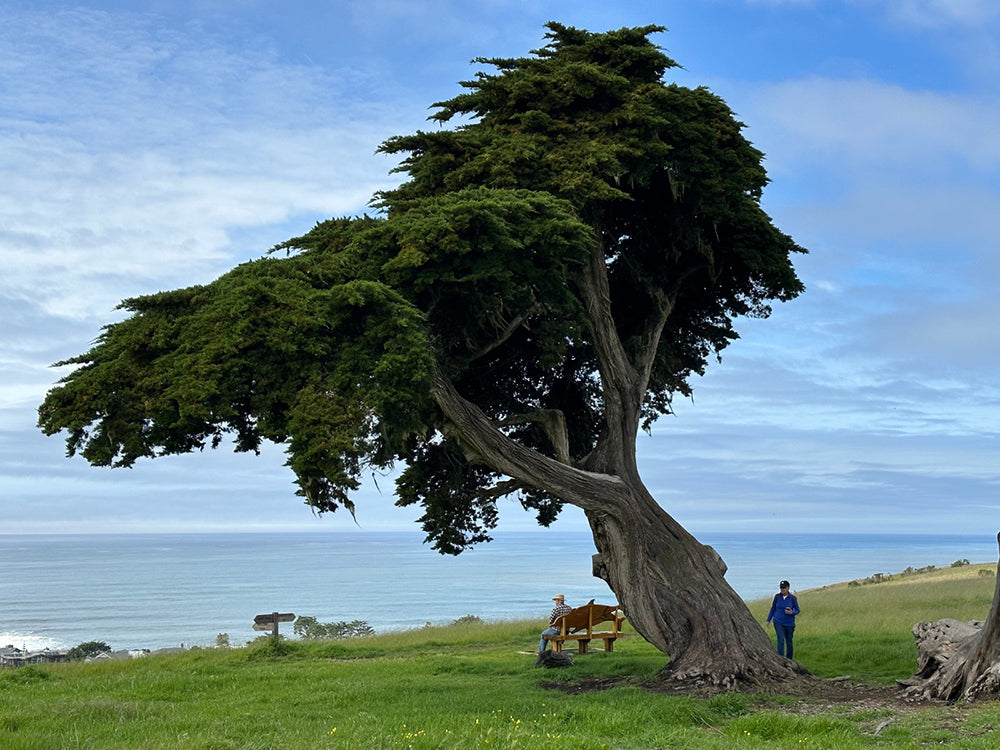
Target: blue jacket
[(777, 613)]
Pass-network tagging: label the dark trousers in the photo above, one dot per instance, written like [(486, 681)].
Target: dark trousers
[(784, 633)]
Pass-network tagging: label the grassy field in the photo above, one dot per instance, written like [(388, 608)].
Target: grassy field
[(472, 686)]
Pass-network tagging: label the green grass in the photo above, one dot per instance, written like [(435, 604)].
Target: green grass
[(468, 686), (866, 631)]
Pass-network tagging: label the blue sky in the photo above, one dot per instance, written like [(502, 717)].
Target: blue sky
[(148, 146)]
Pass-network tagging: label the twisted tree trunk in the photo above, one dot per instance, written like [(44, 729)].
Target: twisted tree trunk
[(956, 660), (673, 590)]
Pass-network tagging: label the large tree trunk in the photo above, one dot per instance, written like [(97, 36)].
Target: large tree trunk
[(672, 588), (673, 591), (958, 661)]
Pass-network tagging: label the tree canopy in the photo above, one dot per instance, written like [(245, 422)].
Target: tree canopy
[(562, 262), (87, 650)]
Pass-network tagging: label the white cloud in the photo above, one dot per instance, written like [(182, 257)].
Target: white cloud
[(130, 163), (968, 30), (140, 153), (895, 191), (808, 472), (934, 14), (871, 125), (923, 14)]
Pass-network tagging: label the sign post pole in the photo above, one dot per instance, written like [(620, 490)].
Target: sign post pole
[(270, 622)]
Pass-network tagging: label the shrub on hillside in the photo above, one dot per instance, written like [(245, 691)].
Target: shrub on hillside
[(310, 629), (87, 649)]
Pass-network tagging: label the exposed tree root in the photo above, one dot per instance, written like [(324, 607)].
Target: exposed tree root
[(958, 661), (770, 677)]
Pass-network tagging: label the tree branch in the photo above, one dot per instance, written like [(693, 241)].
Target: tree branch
[(617, 371), (623, 391), (507, 332), (553, 421), (651, 339), (665, 300), (484, 443), (502, 489)]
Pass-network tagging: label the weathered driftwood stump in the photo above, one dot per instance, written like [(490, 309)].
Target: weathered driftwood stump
[(958, 660)]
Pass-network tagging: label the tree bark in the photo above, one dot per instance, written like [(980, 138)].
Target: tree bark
[(956, 660), (671, 587), (673, 590)]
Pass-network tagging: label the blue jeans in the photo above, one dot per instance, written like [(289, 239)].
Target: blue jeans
[(543, 644), (784, 633)]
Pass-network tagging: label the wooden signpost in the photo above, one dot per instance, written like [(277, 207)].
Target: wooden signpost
[(270, 622)]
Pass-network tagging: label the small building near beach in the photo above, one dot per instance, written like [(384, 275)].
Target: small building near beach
[(11, 656)]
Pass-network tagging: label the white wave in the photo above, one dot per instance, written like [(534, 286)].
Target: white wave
[(29, 641)]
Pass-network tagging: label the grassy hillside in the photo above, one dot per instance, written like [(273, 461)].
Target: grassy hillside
[(864, 629), (472, 686)]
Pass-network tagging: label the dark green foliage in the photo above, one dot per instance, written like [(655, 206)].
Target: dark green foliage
[(86, 650), (294, 351), (660, 172), (468, 620), (478, 270), (310, 629)]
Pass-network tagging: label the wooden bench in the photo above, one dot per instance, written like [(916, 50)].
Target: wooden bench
[(578, 625)]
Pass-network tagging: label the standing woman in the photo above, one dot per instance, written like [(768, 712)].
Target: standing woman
[(784, 607)]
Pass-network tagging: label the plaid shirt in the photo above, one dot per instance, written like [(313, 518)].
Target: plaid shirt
[(558, 611)]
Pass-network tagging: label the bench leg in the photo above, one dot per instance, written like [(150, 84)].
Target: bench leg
[(557, 646), (609, 644), (584, 645)]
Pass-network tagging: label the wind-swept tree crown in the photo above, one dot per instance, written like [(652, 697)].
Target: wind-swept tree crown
[(563, 260)]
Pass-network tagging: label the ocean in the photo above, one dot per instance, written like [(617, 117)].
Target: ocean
[(151, 591)]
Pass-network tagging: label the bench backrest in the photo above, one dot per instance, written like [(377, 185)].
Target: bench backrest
[(587, 616)]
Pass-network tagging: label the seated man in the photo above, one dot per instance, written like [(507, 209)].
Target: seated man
[(560, 609)]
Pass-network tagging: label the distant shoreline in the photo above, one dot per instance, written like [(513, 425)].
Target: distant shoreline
[(161, 590)]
